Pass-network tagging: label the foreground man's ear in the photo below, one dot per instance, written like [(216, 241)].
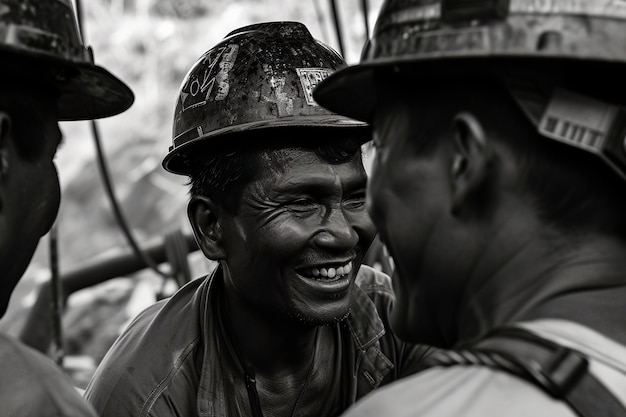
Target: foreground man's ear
[(471, 162), (204, 217)]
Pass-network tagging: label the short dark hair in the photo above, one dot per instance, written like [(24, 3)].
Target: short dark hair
[(573, 190), (27, 108), (221, 170)]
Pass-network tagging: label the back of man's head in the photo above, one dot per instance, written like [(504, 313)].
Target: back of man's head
[(573, 191)]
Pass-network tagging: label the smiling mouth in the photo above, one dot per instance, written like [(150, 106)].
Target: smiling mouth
[(326, 273)]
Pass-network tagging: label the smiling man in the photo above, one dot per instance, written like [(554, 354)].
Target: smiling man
[(290, 323)]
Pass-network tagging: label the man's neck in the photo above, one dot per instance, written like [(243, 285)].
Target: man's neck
[(278, 352), (540, 277), (274, 346)]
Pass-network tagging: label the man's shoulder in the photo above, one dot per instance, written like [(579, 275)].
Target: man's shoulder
[(371, 280), (31, 384), (471, 391), (156, 348), (176, 317)]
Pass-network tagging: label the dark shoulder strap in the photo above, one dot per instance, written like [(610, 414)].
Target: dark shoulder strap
[(561, 372)]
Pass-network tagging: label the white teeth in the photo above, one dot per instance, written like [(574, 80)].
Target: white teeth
[(331, 272)]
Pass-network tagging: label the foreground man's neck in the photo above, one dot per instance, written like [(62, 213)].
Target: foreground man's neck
[(573, 278)]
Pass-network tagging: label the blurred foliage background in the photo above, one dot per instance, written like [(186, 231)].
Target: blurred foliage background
[(150, 44)]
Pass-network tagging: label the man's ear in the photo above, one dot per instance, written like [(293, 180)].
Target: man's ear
[(204, 217), (472, 159)]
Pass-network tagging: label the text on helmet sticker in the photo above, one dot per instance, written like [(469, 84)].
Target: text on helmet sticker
[(434, 43), (608, 8), (310, 78)]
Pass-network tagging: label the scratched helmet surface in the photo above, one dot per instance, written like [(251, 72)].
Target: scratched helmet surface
[(584, 35), (40, 45), (258, 77)]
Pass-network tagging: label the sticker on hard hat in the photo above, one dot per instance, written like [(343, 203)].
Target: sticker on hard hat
[(198, 89), (450, 41), (608, 8), (431, 11), (587, 124), (310, 78), (578, 120)]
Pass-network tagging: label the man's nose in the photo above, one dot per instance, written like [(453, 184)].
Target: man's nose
[(337, 231)]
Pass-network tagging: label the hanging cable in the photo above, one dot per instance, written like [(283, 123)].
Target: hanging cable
[(364, 9), (119, 216), (333, 7), (56, 297), (108, 185)]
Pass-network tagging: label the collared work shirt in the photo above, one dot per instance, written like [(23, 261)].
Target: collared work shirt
[(479, 391), (171, 361), (31, 385)]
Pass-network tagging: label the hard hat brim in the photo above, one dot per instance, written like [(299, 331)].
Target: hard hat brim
[(352, 91), (85, 91), (94, 94), (174, 161)]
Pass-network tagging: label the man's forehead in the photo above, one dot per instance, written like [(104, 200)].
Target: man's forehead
[(279, 162), (285, 156), (304, 163)]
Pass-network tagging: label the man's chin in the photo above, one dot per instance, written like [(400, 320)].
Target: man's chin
[(313, 321)]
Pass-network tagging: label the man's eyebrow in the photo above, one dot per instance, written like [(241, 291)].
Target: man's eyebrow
[(320, 184)]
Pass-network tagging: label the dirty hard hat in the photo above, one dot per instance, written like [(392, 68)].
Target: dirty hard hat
[(581, 45), (40, 46), (258, 77)]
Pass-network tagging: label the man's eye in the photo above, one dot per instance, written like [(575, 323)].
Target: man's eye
[(354, 203), (302, 204)]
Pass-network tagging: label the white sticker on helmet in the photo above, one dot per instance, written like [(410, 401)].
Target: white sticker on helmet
[(577, 120), (310, 78), (607, 8)]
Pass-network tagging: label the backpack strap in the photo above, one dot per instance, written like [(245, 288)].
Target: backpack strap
[(561, 372)]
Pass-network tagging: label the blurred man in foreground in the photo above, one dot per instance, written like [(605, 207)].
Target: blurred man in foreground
[(47, 75), (290, 323), (499, 191)]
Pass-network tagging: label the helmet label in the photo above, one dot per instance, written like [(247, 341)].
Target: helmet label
[(577, 120), (310, 78), (588, 124), (609, 8), (460, 40)]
